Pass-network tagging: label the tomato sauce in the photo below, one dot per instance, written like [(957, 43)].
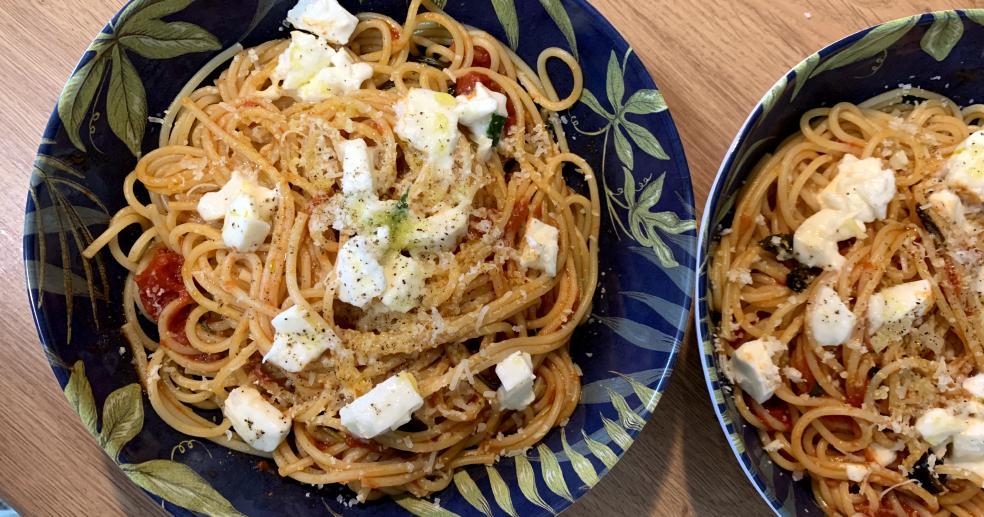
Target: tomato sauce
[(159, 284), (481, 58), (775, 408)]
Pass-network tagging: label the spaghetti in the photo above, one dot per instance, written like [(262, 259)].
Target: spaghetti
[(214, 307), (865, 379)]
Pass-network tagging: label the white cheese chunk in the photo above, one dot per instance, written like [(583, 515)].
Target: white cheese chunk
[(896, 303), (815, 241), (883, 456), (405, 282), (311, 71), (428, 121), (975, 385), (385, 408), (541, 247), (862, 187), (831, 320), (754, 370), (213, 205), (937, 425), (356, 167), (244, 228), (516, 375), (439, 232), (949, 205), (965, 167), (857, 473), (326, 18), (475, 112), (258, 422), (298, 340), (968, 444), (360, 276)]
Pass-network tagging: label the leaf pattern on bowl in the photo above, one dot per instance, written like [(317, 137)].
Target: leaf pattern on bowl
[(138, 29)]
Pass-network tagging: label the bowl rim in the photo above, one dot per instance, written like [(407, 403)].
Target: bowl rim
[(61, 371), (701, 311)]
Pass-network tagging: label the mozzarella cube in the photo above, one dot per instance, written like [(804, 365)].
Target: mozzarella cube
[(475, 112), (298, 340), (326, 18), (856, 473), (213, 205), (541, 247), (360, 276), (356, 167), (949, 205), (258, 422), (815, 241), (831, 320), (937, 425), (516, 375), (405, 281), (896, 303), (754, 370), (968, 444), (304, 58), (345, 77), (965, 168), (861, 187), (975, 385), (244, 229), (439, 232), (385, 408), (428, 121), (882, 455)]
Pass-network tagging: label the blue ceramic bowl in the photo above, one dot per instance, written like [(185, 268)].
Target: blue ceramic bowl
[(134, 69), (936, 51)]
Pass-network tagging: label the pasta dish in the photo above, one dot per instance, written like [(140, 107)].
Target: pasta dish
[(849, 289), (355, 251)]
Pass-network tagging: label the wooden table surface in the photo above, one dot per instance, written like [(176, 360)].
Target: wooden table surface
[(711, 58)]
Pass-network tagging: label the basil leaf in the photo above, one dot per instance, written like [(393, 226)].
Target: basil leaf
[(496, 126)]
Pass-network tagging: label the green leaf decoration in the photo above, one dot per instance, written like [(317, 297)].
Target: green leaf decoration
[(553, 476), (470, 491), (771, 96), (645, 102), (126, 103), (155, 39), (640, 335), (50, 220), (150, 10), (648, 396), (871, 44), (597, 392), (651, 194), (263, 7), (500, 491), (645, 140), (943, 35), (591, 102), (78, 95), (559, 15), (617, 434), (179, 484), (803, 72), (628, 418), (975, 15), (582, 466), (51, 280), (79, 395), (614, 82), (600, 451), (664, 308), (122, 419), (527, 483), (623, 148), (505, 10)]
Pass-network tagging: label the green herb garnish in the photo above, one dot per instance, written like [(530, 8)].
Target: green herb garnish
[(495, 128)]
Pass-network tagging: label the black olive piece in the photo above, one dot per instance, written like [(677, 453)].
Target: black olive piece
[(427, 60), (926, 475), (929, 224), (780, 245), (801, 277)]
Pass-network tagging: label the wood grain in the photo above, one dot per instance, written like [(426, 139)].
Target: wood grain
[(712, 59)]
